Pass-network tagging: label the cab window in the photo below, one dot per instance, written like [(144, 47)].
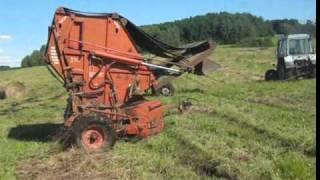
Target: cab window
[(299, 46), (283, 48)]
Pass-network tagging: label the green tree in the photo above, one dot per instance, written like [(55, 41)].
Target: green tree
[(36, 58), (225, 27)]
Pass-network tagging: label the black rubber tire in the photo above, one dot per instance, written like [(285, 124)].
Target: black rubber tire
[(82, 124), (165, 90), (271, 75), (281, 71), (290, 75), (314, 72)]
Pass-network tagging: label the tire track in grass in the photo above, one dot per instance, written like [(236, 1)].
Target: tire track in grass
[(188, 154), (246, 103), (279, 108), (195, 152), (280, 139), (249, 100), (264, 135), (200, 160), (267, 143)]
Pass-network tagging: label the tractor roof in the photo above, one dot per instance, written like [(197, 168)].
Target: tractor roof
[(298, 36), (293, 36)]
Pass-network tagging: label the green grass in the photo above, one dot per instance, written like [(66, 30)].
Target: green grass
[(246, 128)]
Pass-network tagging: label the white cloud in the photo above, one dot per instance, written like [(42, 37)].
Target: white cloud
[(3, 58), (5, 37), (9, 61)]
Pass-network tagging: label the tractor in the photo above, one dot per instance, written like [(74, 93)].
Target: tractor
[(295, 58)]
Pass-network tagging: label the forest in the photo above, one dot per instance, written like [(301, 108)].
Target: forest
[(225, 28)]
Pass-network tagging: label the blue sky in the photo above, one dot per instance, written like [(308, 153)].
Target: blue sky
[(24, 23)]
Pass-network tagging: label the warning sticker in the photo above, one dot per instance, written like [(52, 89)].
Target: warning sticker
[(53, 55)]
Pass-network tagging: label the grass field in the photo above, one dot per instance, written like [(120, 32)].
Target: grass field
[(240, 128)]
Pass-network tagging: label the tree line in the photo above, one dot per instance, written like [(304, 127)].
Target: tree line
[(224, 28), (36, 58)]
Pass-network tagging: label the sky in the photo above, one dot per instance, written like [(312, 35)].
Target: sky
[(24, 23)]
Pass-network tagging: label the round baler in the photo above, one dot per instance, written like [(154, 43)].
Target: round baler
[(98, 58)]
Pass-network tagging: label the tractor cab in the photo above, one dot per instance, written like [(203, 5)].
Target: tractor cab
[(294, 45), (295, 58)]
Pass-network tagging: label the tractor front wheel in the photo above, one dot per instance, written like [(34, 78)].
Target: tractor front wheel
[(93, 133), (271, 75)]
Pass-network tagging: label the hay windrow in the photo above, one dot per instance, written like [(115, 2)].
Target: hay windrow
[(15, 90), (73, 164)]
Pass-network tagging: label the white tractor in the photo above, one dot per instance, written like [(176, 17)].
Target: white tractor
[(295, 58)]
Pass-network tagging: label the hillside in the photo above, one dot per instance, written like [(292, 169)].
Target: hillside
[(241, 127)]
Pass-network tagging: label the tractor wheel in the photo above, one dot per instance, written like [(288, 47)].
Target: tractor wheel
[(290, 75), (314, 72), (271, 75), (165, 90), (281, 71), (93, 133)]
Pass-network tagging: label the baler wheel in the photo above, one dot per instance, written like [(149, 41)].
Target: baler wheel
[(165, 90), (93, 133)]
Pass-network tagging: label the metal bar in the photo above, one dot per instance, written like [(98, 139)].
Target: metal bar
[(161, 67), (132, 61), (131, 55), (121, 59)]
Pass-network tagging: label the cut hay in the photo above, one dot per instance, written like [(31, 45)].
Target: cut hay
[(74, 164), (14, 90)]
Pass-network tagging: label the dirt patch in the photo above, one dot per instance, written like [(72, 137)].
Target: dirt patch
[(13, 90), (74, 164)]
